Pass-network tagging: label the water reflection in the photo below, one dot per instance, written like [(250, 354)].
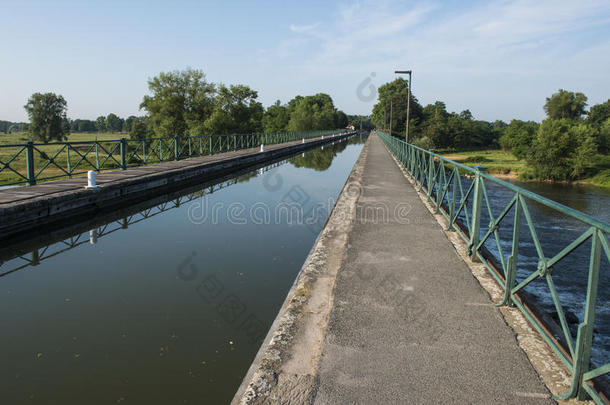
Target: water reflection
[(319, 159), (158, 309), (30, 250), (34, 249)]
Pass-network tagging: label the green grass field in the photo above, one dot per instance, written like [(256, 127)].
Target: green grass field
[(504, 164), (497, 161), (23, 137)]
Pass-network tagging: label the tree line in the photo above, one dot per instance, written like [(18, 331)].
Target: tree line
[(566, 144), (563, 147), (184, 103), (109, 123), (8, 127), (431, 126)]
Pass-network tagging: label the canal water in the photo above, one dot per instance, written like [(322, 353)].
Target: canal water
[(166, 303)]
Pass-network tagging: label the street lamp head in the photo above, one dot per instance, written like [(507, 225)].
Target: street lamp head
[(408, 72)]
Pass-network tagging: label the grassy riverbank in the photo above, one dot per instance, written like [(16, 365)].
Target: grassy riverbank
[(17, 159), (23, 137), (505, 165)]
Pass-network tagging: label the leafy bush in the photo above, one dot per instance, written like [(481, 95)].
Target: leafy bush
[(562, 150), (424, 142)]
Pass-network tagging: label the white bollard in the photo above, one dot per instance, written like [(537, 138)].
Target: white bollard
[(303, 154), (262, 147), (91, 179), (93, 236), (322, 136), (303, 140)]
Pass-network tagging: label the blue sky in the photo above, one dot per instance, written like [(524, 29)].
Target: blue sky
[(500, 59)]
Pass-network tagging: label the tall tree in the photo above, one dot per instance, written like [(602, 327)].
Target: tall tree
[(392, 97), (236, 110), (128, 122), (276, 117), (48, 119), (313, 113), (341, 120), (138, 129), (100, 123), (562, 150), (179, 103), (114, 123), (599, 113), (518, 137), (565, 104)]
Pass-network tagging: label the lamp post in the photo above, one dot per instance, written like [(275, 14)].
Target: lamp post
[(407, 72), (385, 118), (391, 116)]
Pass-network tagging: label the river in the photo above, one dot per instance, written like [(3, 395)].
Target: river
[(167, 303), (556, 231)]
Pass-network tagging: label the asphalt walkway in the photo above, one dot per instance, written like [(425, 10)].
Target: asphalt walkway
[(410, 323)]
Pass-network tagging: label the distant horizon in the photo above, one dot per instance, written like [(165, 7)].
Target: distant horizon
[(498, 59)]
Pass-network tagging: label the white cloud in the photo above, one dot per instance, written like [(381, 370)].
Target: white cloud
[(304, 28), (457, 53)]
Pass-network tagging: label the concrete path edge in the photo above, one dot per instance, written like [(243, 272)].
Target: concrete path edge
[(286, 366)]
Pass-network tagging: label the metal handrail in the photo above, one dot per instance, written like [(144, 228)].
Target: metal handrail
[(35, 162), (463, 205)]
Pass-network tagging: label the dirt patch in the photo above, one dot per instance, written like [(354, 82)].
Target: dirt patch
[(503, 174), (457, 158)]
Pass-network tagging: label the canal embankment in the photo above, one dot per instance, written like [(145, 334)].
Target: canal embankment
[(285, 369), (24, 208), (386, 309)]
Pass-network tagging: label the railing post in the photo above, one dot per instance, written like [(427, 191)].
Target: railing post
[(176, 151), (123, 154), (439, 189), (430, 174), (234, 142), (421, 166), (589, 314), (456, 173), (97, 157), (29, 152), (511, 263), (412, 161), (35, 257), (476, 212), (211, 138), (68, 163)]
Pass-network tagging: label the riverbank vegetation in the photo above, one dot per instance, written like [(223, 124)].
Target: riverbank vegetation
[(571, 144)]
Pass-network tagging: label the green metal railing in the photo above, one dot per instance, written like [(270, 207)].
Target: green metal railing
[(459, 193), (31, 163)]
